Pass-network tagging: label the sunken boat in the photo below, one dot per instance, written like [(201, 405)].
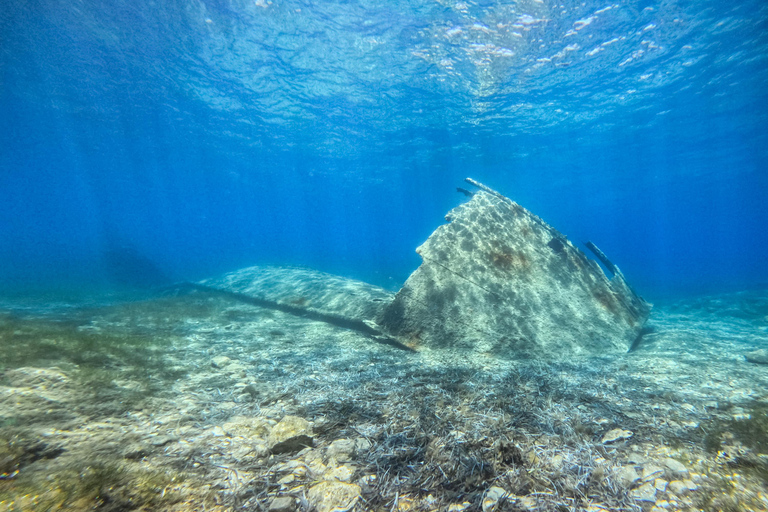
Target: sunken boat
[(494, 279)]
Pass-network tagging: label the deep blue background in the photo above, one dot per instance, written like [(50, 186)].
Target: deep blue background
[(208, 136)]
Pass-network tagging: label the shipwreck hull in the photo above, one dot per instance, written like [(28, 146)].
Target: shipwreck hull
[(498, 279)]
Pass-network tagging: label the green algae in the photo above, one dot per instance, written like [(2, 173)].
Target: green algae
[(93, 345), (106, 486), (741, 443), (103, 362), (750, 429)]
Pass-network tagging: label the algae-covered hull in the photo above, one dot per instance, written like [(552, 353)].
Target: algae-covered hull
[(498, 279)]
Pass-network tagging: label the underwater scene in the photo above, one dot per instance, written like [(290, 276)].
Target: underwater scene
[(391, 255)]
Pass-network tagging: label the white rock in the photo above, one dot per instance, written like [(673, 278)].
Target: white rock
[(646, 492), (616, 434), (676, 467), (492, 497), (220, 361)]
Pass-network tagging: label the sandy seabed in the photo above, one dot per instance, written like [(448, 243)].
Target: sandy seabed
[(198, 402)]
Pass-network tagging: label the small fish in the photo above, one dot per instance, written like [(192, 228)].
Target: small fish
[(464, 191)]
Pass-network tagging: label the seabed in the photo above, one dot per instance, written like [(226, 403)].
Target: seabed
[(198, 402)]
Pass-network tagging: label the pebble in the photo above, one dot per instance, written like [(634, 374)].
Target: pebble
[(492, 497), (287, 480), (616, 434), (220, 361), (681, 487), (282, 504)]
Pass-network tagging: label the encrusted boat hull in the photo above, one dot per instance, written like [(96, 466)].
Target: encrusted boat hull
[(498, 279)]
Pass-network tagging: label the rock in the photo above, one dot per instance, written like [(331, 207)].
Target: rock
[(287, 481), (282, 504), (291, 434), (362, 445), (492, 498), (315, 465), (660, 484), (676, 468), (627, 476), (341, 473), (252, 390), (651, 472), (646, 492), (459, 507), (341, 450), (759, 356), (681, 487), (616, 434), (220, 361), (248, 427), (333, 496), (498, 279)]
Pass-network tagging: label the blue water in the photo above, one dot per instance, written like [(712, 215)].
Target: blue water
[(210, 135)]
